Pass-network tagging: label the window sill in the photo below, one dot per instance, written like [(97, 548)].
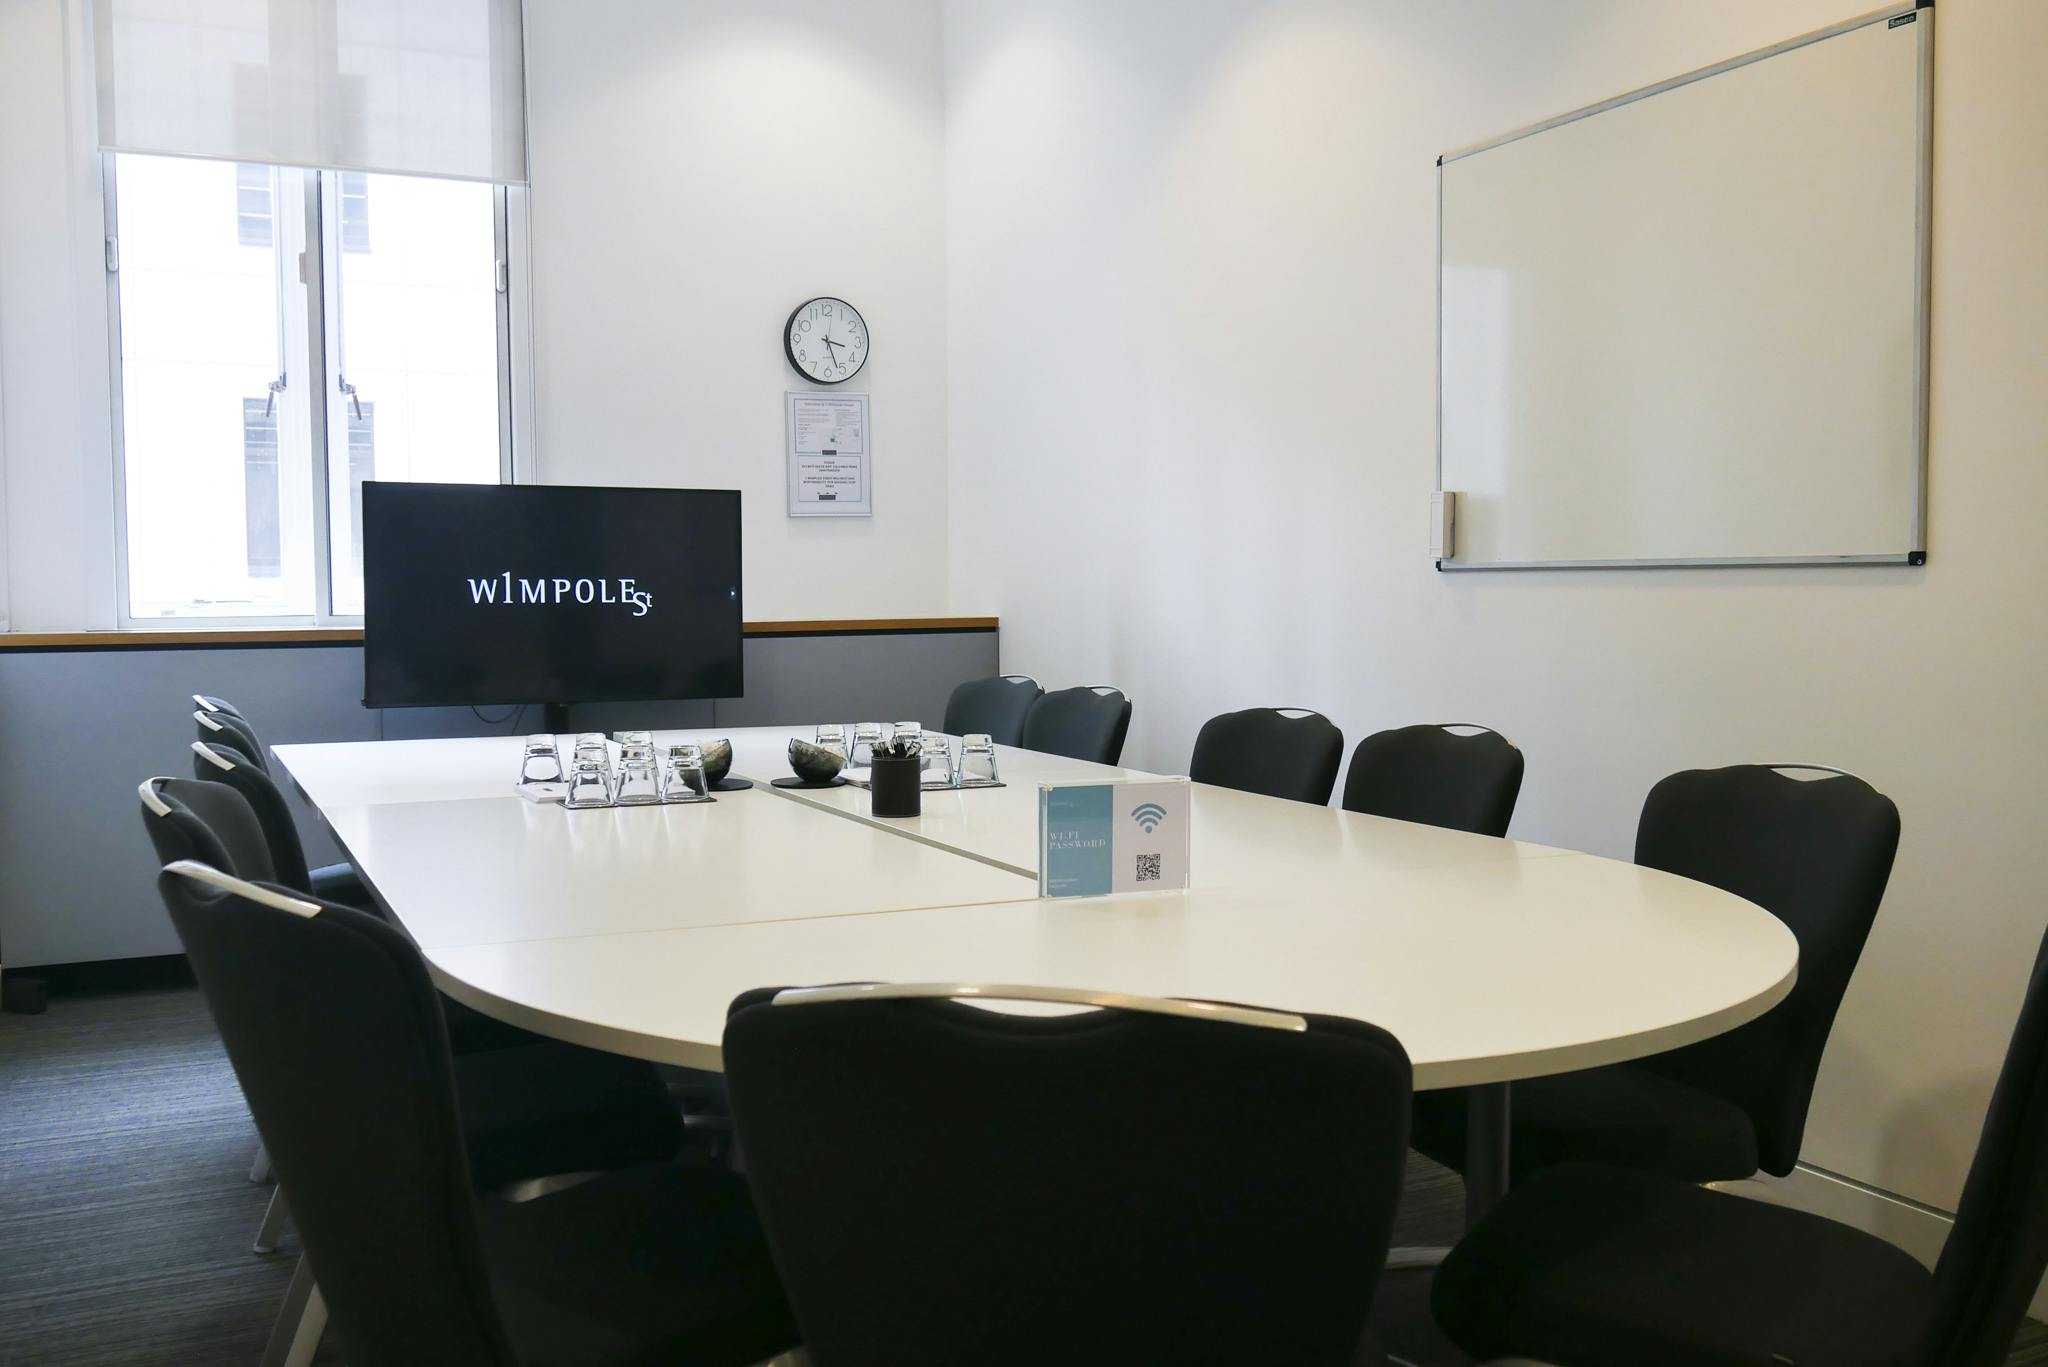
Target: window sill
[(156, 638)]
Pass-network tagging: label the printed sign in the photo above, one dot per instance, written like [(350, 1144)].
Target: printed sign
[(829, 456), (1098, 838)]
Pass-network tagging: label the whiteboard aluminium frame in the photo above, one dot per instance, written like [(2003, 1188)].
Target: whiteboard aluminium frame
[(1923, 219)]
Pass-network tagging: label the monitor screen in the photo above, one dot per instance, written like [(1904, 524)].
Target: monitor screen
[(481, 593)]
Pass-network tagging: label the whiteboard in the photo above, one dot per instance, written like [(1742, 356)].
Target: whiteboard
[(1688, 325)]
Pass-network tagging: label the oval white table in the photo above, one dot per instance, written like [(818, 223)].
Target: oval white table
[(632, 929)]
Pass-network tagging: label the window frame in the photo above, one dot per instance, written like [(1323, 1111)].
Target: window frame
[(513, 365)]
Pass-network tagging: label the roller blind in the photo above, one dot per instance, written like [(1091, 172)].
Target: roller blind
[(416, 87)]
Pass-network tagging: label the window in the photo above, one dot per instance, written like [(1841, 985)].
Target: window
[(253, 198), (269, 360), (355, 211), (259, 487)]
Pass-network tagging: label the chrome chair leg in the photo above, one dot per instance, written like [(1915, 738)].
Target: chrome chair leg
[(259, 1169), (301, 1320), (274, 1216)]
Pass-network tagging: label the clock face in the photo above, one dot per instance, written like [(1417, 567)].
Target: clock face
[(827, 340)]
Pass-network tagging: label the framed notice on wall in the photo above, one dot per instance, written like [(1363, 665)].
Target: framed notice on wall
[(831, 470)]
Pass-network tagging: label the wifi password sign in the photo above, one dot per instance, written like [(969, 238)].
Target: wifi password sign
[(1148, 815)]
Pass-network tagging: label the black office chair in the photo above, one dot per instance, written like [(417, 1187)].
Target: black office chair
[(206, 702), (1153, 1182), (994, 706), (334, 1031), (211, 823), (186, 818), (533, 1107), (1433, 775), (1816, 853), (222, 728), (1601, 1267), (1080, 723), (1264, 750), (331, 882)]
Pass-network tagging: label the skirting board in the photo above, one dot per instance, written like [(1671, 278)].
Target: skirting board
[(1919, 1229)]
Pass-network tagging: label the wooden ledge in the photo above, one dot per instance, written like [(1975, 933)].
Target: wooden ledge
[(151, 638)]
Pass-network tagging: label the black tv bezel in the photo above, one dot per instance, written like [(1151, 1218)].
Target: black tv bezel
[(739, 583)]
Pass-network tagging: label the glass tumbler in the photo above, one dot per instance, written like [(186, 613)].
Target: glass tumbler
[(639, 780), (937, 752), (682, 776), (977, 761), (540, 771), (866, 736), (832, 736), (590, 781)]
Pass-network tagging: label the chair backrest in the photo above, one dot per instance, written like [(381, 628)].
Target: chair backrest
[(1815, 853), (1997, 1251), (206, 702), (225, 764), (1263, 750), (1081, 723), (941, 1183), (187, 818), (222, 728), (995, 706), (1433, 775), (335, 1034)]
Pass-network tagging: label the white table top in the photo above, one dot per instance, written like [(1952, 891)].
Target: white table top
[(632, 930), (501, 868)]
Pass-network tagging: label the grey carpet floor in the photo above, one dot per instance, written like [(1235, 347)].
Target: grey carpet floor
[(126, 1214)]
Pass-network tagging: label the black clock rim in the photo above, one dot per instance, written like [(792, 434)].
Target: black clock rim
[(789, 352)]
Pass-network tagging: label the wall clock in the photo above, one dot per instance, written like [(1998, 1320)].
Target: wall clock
[(826, 339)]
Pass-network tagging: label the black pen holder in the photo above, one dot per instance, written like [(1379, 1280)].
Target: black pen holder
[(893, 785)]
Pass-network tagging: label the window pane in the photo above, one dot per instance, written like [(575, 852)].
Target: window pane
[(413, 316), (216, 475), (252, 204)]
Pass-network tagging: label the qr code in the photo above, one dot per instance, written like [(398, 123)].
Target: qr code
[(1148, 868)]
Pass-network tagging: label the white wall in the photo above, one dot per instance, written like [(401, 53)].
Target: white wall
[(58, 527), (699, 169), (1191, 303)]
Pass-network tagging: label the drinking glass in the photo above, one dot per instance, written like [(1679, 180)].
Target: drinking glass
[(683, 777), (639, 779), (590, 781), (937, 752), (629, 739), (832, 736), (540, 771), (866, 736), (909, 730), (977, 761)]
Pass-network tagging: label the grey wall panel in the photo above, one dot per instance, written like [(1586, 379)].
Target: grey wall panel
[(795, 679), (79, 729)]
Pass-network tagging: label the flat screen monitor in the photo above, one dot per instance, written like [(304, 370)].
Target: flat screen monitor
[(480, 593)]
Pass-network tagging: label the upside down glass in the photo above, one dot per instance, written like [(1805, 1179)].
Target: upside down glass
[(683, 778), (866, 736), (639, 782), (977, 761), (937, 752), (541, 778), (590, 781)]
